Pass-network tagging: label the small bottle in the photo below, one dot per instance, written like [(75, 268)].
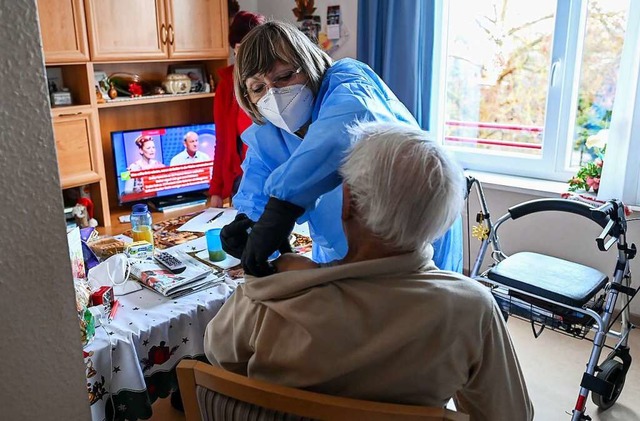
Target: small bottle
[(141, 223)]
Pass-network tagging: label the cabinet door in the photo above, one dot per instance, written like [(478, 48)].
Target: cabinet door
[(64, 31), (79, 153), (126, 30), (197, 29)]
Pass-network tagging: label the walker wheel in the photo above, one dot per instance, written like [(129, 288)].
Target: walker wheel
[(613, 372)]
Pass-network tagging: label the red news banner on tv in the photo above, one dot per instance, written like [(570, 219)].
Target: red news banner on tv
[(178, 176)]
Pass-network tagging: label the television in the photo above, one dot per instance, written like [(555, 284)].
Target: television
[(165, 166)]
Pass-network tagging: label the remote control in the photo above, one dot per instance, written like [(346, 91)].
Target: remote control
[(170, 262)]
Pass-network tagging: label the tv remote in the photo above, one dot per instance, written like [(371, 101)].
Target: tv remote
[(170, 262)]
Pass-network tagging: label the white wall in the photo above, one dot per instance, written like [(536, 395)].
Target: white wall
[(553, 233), (282, 10), (43, 374)]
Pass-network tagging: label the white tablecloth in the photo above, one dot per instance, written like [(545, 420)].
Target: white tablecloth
[(133, 357)]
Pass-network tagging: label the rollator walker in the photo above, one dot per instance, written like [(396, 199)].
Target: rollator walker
[(564, 296)]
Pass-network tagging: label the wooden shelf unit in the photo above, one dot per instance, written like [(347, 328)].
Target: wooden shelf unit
[(84, 36)]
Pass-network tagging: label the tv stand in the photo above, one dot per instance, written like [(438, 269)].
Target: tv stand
[(178, 202)]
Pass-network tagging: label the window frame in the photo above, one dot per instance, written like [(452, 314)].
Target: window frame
[(561, 106)]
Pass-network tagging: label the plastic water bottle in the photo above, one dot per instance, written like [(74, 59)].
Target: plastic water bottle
[(141, 223)]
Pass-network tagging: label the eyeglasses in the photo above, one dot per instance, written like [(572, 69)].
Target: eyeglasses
[(258, 90)]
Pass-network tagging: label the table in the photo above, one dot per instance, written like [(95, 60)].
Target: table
[(131, 361)]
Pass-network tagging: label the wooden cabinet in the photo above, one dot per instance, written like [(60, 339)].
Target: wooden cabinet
[(143, 37), (197, 29), (63, 28), (79, 155), (80, 160), (122, 30)]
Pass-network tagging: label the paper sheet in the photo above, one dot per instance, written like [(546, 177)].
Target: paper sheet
[(227, 263), (204, 222)]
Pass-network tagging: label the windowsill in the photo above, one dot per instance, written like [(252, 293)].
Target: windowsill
[(522, 185), (525, 185)]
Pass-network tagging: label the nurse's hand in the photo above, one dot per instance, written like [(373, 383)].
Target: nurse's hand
[(269, 234), (215, 201), (234, 235)]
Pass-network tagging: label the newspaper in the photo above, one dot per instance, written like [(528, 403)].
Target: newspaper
[(156, 277)]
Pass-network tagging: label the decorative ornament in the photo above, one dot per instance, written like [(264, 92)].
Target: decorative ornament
[(113, 94), (480, 232), (303, 9), (99, 97), (135, 89)]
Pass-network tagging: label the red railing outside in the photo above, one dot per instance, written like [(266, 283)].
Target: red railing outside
[(533, 130)]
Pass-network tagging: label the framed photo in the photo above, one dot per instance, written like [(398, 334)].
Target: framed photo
[(102, 83), (196, 72), (55, 82)]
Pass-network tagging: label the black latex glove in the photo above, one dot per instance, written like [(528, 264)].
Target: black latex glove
[(269, 234), (234, 235)]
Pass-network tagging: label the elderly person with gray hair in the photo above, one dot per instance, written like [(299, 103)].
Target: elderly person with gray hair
[(384, 323)]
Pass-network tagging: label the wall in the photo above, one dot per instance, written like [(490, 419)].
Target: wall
[(282, 10), (553, 233), (42, 375)]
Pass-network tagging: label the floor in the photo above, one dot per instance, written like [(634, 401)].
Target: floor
[(553, 365)]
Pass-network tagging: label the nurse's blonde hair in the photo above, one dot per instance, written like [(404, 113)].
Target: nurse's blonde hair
[(270, 42), (406, 189)]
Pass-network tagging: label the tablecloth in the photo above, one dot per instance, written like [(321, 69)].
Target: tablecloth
[(131, 361)]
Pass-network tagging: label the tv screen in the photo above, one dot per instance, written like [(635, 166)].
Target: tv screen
[(163, 162)]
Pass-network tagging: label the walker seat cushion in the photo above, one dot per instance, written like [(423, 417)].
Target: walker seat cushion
[(548, 277)]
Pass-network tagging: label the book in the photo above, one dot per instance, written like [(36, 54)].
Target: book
[(159, 279)]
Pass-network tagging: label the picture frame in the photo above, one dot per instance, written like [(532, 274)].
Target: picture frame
[(197, 73), (55, 83), (102, 83)]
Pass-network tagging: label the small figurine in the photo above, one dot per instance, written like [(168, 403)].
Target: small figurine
[(135, 89), (113, 94), (83, 213), (99, 97)]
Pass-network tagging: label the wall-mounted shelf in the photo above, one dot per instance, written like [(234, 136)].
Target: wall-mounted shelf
[(125, 102)]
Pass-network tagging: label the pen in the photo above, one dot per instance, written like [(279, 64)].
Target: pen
[(215, 217), (114, 309)]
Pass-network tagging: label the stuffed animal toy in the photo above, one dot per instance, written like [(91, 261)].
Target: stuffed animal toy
[(83, 213)]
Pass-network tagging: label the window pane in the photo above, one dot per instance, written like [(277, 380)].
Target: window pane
[(498, 59), (604, 36)]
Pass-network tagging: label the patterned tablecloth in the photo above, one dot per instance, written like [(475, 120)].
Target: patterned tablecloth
[(131, 361)]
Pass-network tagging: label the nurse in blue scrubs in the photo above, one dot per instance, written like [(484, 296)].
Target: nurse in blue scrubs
[(302, 105)]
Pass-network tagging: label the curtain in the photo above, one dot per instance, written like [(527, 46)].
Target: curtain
[(395, 38), (621, 172)]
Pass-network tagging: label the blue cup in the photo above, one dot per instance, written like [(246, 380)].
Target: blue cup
[(214, 245)]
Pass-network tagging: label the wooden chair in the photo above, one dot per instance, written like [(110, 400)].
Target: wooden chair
[(242, 398)]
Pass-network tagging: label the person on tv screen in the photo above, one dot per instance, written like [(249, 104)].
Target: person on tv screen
[(147, 149), (191, 153), (230, 120)]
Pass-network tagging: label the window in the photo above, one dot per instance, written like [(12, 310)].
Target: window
[(526, 84)]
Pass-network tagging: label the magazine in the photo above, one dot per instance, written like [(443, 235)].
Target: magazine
[(156, 277)]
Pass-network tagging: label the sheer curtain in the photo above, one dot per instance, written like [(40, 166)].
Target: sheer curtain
[(621, 172), (395, 38)]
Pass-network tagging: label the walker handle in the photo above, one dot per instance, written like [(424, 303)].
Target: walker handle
[(558, 205), (608, 209)]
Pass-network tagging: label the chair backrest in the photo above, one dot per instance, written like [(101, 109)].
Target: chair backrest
[(288, 401)]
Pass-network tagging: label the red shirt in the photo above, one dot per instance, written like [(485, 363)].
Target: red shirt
[(230, 122)]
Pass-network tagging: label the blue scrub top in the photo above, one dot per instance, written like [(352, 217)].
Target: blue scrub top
[(279, 164)]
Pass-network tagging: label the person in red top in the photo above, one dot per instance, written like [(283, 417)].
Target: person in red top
[(230, 120)]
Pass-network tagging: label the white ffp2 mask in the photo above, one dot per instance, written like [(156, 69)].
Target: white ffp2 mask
[(288, 108), (112, 272)]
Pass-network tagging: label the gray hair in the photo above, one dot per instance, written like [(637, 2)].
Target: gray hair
[(407, 190), (190, 134), (270, 42)]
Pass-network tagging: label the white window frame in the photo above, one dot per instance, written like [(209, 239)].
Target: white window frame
[(560, 115)]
